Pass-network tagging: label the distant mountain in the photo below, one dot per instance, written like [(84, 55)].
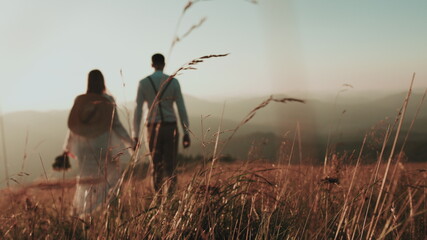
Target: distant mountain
[(33, 139)]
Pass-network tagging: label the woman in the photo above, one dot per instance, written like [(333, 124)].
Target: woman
[(97, 139)]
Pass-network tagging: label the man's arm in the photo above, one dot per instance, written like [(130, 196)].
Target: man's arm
[(138, 111), (182, 115), (181, 109)]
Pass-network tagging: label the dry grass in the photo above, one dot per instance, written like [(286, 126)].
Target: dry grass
[(245, 201)]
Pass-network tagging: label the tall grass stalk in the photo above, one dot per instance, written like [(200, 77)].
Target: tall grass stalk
[(175, 38), (374, 178), (47, 179), (209, 176), (299, 142), (127, 112), (253, 112), (329, 139), (412, 123), (347, 196), (3, 139), (401, 117)]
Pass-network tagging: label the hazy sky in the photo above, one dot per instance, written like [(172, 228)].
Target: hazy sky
[(47, 47)]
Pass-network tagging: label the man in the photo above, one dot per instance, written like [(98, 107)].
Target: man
[(161, 121)]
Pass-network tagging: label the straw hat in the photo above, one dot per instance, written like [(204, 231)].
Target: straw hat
[(91, 115)]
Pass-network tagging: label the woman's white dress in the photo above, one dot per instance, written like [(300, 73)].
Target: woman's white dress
[(98, 164)]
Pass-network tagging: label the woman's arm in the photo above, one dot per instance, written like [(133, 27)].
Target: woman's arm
[(118, 126), (68, 145), (120, 130)]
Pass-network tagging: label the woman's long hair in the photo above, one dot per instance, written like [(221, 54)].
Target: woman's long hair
[(95, 82)]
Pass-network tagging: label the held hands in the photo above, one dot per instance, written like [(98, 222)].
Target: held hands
[(186, 141)]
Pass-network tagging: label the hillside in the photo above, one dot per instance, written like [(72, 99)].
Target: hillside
[(36, 137)]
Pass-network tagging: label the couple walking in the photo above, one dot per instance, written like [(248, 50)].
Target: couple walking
[(97, 138)]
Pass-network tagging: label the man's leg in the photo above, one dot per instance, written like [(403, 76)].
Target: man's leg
[(170, 151), (155, 145)]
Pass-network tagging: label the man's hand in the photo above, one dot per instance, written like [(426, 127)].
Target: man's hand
[(186, 141), (135, 143)]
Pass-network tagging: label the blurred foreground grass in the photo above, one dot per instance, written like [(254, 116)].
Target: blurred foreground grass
[(241, 200)]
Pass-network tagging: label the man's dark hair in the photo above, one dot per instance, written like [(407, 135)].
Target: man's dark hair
[(95, 82), (158, 60)]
